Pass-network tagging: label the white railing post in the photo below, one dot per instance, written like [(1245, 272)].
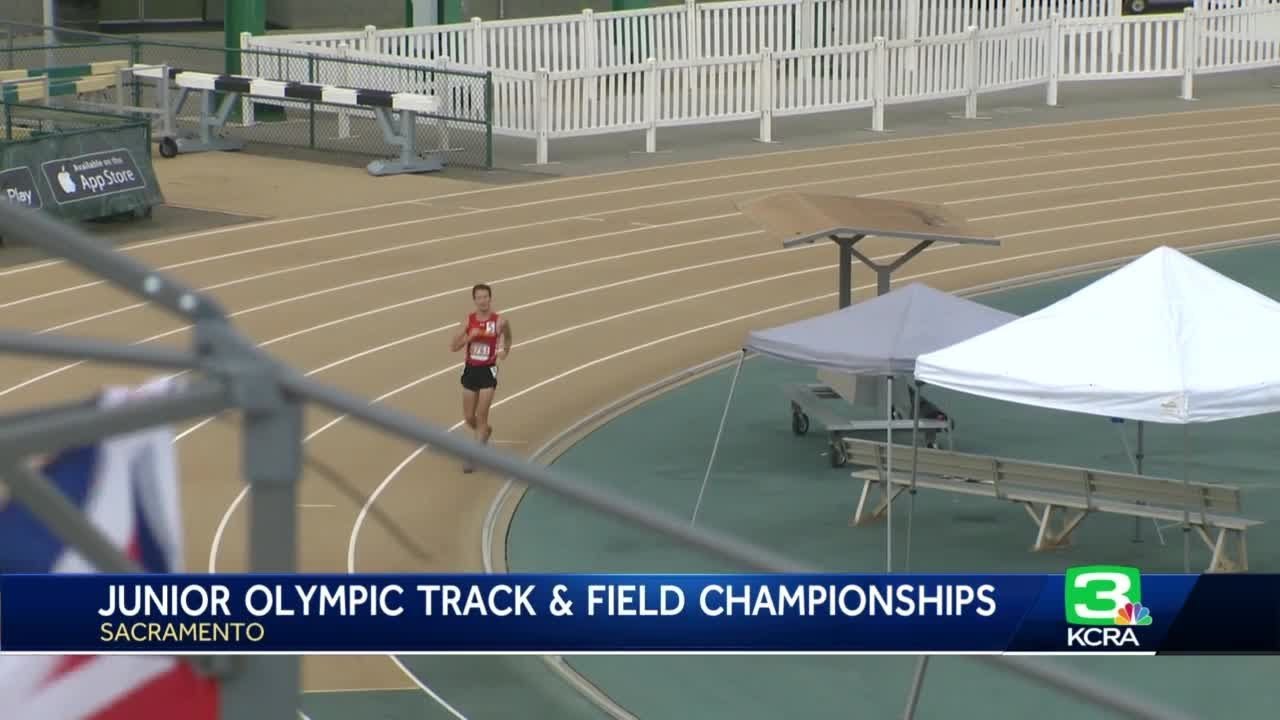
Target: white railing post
[(806, 16), (1054, 62), (444, 92), (344, 119), (971, 74), (913, 34), (541, 113), (369, 42), (879, 81), (1189, 52), (692, 30), (764, 96), (587, 59), (1013, 21), (692, 44), (476, 54), (808, 20), (651, 105), (246, 105)]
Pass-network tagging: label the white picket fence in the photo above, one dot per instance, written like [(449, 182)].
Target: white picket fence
[(706, 63)]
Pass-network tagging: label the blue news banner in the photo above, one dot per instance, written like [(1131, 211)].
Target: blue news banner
[(1089, 609)]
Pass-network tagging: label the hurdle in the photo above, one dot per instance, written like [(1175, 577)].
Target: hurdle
[(32, 84), (396, 113)]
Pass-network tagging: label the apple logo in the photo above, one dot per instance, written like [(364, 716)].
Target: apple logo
[(64, 179)]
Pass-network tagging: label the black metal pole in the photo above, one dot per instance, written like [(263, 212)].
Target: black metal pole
[(846, 272)]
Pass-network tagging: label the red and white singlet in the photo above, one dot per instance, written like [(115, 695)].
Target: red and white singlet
[(482, 351)]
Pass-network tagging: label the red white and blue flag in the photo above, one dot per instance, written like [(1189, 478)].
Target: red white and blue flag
[(128, 487)]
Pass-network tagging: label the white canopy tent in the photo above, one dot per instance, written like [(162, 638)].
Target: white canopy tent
[(881, 336), (1163, 339)]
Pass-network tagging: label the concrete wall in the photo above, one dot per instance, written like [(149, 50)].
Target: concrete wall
[(299, 14), (327, 14), (512, 9)]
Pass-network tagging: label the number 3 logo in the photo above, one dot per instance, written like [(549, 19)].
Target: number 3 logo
[(1094, 595)]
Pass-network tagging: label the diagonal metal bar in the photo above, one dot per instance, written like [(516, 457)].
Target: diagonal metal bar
[(713, 543), (63, 518), (74, 348), (135, 278), (75, 425)]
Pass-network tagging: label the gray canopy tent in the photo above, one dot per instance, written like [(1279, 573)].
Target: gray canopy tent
[(878, 337)]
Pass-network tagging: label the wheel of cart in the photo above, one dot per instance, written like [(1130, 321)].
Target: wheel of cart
[(168, 147), (837, 455), (799, 420)]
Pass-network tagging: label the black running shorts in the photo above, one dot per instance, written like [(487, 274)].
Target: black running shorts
[(479, 377)]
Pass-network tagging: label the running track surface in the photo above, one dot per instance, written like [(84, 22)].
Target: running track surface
[(611, 282)]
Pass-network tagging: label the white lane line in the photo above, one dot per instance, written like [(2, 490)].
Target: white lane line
[(424, 688), (1109, 183), (372, 498), (367, 313), (770, 171), (382, 278), (55, 371), (987, 180), (664, 273), (1131, 198), (1144, 216)]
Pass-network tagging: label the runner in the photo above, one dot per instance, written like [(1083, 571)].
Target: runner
[(479, 335)]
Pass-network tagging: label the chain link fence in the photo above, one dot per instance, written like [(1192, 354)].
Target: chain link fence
[(462, 131)]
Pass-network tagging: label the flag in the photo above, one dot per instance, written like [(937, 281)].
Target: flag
[(127, 486)]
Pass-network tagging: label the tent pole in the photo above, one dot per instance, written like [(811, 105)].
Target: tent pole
[(915, 457), (733, 384), (888, 482), (1137, 461), (1186, 513), (846, 272), (917, 684)]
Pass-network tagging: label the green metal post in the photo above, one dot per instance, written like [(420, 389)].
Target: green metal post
[(241, 16), (408, 13)]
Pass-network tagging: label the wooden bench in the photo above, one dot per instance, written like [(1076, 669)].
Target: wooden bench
[(1061, 493)]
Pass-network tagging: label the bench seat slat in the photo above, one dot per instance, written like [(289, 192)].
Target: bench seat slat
[(1029, 495)]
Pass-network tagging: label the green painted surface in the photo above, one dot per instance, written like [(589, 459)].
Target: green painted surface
[(779, 491), (451, 12), (630, 4), (373, 705), (495, 687)]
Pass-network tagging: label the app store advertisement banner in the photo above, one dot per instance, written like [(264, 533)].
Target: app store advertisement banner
[(93, 175), (18, 185)]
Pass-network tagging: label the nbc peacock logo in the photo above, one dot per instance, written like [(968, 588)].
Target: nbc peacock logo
[(1133, 614)]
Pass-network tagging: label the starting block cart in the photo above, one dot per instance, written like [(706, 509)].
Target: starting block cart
[(814, 401), (396, 113)]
